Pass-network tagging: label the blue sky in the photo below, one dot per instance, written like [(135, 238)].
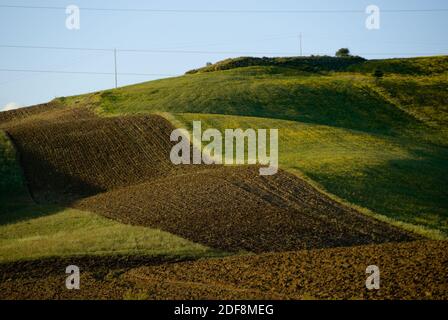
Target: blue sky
[(401, 34)]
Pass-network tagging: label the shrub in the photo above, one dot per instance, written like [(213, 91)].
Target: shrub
[(378, 73), (343, 52)]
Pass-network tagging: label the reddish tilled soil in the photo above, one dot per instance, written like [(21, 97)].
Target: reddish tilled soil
[(414, 270), (233, 208)]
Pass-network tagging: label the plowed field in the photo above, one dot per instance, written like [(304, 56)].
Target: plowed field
[(120, 167), (414, 270), (374, 144), (233, 208), (69, 160)]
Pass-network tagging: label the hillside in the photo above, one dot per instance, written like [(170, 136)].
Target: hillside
[(119, 167), (396, 177), (77, 158), (351, 100), (365, 140), (363, 165)]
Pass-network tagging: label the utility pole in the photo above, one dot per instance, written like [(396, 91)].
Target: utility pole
[(115, 60), (300, 43)]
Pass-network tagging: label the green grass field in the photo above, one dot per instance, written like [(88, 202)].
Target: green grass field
[(341, 100), (69, 232), (413, 106), (376, 144)]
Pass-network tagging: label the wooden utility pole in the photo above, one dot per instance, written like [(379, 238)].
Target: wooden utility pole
[(115, 60)]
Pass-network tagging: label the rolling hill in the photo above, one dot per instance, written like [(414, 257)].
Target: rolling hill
[(363, 162), (376, 143), (119, 167)]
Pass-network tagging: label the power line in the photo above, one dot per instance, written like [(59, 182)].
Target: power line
[(228, 11), (141, 50), (115, 65), (89, 72), (183, 45), (200, 51)]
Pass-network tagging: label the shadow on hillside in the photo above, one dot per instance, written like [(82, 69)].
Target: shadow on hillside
[(48, 185), (19, 209), (409, 190), (48, 191)]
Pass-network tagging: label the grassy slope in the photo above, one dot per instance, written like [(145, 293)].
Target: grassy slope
[(424, 98), (400, 104), (342, 100), (69, 232), (29, 231), (378, 144), (410, 66), (394, 177)]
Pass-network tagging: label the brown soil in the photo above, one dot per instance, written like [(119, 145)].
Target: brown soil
[(233, 208), (45, 279), (414, 270), (74, 159), (120, 167)]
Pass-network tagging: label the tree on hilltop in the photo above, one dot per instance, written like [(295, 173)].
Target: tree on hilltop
[(343, 52)]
